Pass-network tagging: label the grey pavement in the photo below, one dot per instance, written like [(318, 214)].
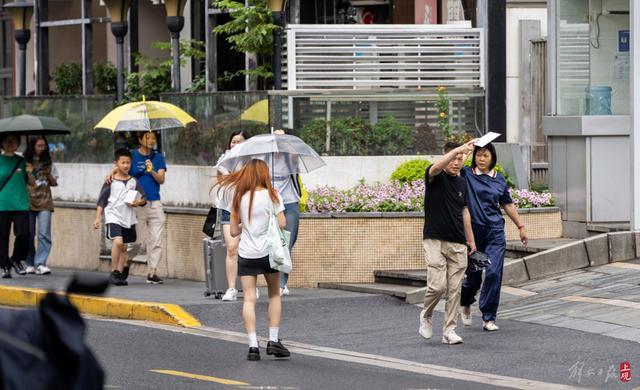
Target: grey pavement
[(548, 332), (132, 352)]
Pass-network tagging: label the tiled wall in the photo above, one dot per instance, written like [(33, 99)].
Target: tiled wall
[(327, 250)]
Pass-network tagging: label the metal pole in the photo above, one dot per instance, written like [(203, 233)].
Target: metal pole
[(635, 115), (175, 68), (277, 67), (22, 67), (120, 68)]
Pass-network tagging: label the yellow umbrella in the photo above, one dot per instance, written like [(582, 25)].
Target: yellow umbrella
[(258, 112), (145, 116)]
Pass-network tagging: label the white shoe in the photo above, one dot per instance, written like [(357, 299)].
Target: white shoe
[(43, 270), (230, 295), (426, 326), (467, 320), (30, 270), (451, 337), (490, 326), (257, 293), (284, 291)]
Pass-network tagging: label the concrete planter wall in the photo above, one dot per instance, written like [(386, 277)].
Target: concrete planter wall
[(331, 247)]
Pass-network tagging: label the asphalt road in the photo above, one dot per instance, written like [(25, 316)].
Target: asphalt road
[(132, 354)]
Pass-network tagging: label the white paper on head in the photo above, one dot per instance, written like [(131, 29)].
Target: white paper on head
[(487, 138)]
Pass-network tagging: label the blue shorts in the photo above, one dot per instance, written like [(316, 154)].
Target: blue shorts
[(225, 217), (128, 234)]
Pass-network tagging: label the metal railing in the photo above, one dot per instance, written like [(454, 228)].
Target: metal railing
[(384, 56)]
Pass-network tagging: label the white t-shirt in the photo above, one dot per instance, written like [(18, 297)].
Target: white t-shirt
[(253, 241), (112, 199)]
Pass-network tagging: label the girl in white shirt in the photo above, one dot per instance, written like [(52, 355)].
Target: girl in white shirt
[(254, 200)]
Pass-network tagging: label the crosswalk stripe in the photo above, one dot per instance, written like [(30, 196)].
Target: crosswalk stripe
[(519, 292), (605, 301), (623, 265), (201, 377)]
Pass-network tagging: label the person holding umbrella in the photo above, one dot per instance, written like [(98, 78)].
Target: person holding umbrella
[(41, 203), (286, 156), (15, 173), (149, 168)]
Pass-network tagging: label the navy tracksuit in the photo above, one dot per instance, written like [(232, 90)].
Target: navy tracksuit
[(486, 193)]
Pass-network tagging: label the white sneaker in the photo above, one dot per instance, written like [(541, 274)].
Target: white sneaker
[(30, 270), (230, 295), (451, 337), (466, 319), (43, 270), (490, 326), (426, 326), (284, 291), (257, 293)]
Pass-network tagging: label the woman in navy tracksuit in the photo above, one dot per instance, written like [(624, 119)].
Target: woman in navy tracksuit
[(487, 190)]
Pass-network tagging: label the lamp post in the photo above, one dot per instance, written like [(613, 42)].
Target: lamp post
[(21, 13), (118, 10), (276, 7), (175, 22)]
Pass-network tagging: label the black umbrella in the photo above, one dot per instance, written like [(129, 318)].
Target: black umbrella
[(32, 125)]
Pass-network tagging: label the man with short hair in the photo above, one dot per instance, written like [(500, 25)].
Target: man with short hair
[(446, 235)]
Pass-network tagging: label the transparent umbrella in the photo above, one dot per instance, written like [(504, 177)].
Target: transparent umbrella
[(285, 154)]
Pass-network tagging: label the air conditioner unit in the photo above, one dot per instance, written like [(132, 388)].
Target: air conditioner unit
[(615, 7)]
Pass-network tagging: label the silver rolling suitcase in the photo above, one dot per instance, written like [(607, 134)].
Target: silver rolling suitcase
[(215, 253)]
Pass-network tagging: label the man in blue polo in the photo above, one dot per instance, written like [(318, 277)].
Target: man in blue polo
[(149, 168)]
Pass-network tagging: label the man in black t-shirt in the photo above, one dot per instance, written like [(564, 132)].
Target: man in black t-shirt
[(446, 235)]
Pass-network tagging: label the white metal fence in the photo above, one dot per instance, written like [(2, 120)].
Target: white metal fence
[(384, 56)]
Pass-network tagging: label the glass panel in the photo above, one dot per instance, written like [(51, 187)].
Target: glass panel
[(80, 114), (593, 57), (218, 115)]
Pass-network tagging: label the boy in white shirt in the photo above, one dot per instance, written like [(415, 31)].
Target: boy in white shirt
[(117, 200)]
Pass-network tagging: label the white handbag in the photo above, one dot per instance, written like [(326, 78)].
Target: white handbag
[(278, 241)]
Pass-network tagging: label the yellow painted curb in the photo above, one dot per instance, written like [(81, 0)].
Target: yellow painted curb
[(164, 313)]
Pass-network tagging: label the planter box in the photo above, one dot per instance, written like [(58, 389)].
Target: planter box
[(344, 247)]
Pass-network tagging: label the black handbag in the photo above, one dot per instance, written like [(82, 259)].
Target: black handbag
[(209, 226), (478, 261)]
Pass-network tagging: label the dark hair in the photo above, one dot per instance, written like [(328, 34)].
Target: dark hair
[(5, 136), (491, 149), (449, 146), (141, 134), (243, 133), (45, 157), (122, 152)]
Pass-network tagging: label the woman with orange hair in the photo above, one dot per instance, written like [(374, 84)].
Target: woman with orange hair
[(254, 201)]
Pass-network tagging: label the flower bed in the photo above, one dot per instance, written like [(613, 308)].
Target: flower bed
[(398, 197)]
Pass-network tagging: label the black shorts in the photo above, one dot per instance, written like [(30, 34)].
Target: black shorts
[(258, 266), (128, 234)]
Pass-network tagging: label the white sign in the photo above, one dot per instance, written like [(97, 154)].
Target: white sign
[(487, 138)]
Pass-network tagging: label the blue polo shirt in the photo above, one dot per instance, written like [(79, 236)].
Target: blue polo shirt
[(139, 170), (485, 194)]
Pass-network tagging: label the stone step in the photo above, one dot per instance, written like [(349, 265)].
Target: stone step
[(409, 294), (412, 277), (515, 248)]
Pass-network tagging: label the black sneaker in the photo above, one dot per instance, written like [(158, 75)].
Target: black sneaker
[(116, 279), (254, 354), (125, 272), (277, 349), (154, 279), (19, 268), (6, 273)]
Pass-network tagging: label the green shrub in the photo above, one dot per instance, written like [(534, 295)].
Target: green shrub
[(355, 137), (68, 78), (105, 78), (410, 171)]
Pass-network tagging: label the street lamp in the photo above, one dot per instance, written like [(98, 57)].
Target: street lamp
[(21, 13), (175, 22), (118, 13), (276, 7)]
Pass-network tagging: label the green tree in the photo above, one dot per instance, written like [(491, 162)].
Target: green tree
[(68, 78), (250, 30)]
